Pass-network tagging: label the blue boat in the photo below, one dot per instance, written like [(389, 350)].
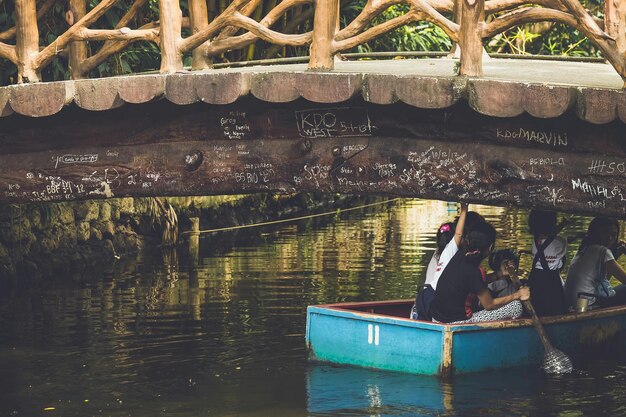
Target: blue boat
[(380, 335)]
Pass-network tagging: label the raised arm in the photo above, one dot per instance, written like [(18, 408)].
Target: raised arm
[(460, 225)]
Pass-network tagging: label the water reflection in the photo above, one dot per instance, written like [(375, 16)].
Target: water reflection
[(344, 391), (347, 391), (223, 333)]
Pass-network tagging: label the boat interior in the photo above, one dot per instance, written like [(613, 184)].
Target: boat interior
[(395, 308), (402, 309)]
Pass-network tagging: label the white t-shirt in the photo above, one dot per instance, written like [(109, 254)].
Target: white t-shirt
[(585, 271), (430, 271), (555, 253), (449, 251)]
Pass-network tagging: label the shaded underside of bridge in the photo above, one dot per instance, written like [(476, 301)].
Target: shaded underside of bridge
[(528, 133)]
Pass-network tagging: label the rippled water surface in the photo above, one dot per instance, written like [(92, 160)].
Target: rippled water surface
[(158, 336)]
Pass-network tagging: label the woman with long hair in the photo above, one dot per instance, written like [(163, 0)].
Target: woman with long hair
[(462, 277), (595, 263)]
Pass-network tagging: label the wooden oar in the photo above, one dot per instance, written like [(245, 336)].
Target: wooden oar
[(554, 361)]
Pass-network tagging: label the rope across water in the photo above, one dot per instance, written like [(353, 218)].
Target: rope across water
[(293, 219)]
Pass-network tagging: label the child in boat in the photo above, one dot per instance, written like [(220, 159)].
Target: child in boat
[(548, 251), (593, 265), (448, 239), (499, 281), (464, 221), (445, 233), (462, 277)]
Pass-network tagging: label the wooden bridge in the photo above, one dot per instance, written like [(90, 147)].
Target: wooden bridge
[(530, 133)]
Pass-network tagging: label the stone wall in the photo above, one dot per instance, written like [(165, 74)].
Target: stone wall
[(38, 240), (41, 237)]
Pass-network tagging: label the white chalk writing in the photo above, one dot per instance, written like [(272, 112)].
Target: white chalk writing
[(549, 138), (335, 122)]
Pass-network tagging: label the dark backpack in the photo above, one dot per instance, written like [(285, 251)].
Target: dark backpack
[(423, 299)]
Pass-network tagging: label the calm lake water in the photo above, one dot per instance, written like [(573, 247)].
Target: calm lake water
[(155, 336)]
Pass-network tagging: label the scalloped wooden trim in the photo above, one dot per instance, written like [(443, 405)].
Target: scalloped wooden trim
[(141, 88), (274, 87), (496, 98), (40, 99), (180, 89), (380, 88), (221, 88), (596, 105), (99, 94), (430, 92), (326, 87), (546, 101)]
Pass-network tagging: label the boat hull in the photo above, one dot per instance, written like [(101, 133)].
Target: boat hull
[(377, 335)]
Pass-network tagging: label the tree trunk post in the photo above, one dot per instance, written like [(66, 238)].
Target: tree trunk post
[(472, 18), (324, 29), (199, 17), (26, 41), (456, 18), (615, 27), (171, 18), (78, 49)]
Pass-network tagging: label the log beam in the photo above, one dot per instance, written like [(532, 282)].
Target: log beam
[(160, 149)]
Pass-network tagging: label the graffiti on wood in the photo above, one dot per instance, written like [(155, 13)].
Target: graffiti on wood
[(453, 155)]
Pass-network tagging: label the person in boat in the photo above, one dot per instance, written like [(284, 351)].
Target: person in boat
[(448, 239), (498, 281), (462, 276), (449, 250), (595, 263), (548, 252)]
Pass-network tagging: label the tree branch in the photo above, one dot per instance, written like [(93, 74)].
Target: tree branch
[(218, 23), (8, 52), (127, 18), (526, 15), (123, 34), (114, 47), (219, 46), (47, 54), (594, 33), (585, 20), (291, 26), (433, 16), (246, 11), (267, 34), (369, 12), (10, 33), (376, 31), (496, 6)]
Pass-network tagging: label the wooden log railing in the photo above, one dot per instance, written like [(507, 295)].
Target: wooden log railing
[(467, 22)]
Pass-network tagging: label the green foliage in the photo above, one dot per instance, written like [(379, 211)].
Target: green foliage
[(548, 38), (541, 38), (420, 36)]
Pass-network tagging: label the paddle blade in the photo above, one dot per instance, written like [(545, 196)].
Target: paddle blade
[(557, 362)]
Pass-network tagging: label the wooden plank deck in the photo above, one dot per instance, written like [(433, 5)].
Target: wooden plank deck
[(541, 88)]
